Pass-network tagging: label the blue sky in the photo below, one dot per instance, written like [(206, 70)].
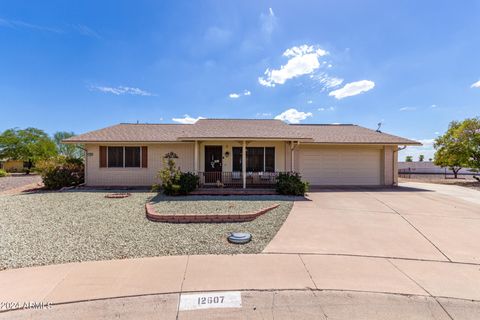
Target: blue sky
[(84, 65)]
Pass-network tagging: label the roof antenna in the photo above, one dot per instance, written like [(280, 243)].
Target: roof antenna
[(379, 126)]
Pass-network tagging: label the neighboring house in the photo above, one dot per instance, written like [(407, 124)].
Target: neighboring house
[(12, 165), (427, 167), (241, 153)]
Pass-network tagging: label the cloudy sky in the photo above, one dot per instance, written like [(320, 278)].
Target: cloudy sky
[(78, 66)]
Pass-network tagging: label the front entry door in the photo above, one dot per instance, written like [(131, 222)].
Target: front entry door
[(213, 164)]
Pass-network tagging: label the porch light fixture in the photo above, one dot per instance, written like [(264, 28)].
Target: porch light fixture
[(227, 154)]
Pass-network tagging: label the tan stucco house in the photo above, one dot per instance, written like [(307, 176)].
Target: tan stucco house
[(242, 153)]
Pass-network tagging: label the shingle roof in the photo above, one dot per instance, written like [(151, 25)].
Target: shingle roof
[(124, 132), (239, 129), (349, 134), (243, 128)]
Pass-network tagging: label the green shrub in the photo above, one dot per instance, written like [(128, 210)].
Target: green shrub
[(175, 182), (3, 173), (60, 172), (291, 183), (188, 182)]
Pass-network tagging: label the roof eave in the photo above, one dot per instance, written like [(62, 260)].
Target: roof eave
[(243, 138), (371, 143)]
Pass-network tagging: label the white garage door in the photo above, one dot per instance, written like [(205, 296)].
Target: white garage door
[(323, 166)]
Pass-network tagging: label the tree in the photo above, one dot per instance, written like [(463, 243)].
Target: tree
[(29, 145), (408, 159), (421, 158), (72, 151), (452, 151), (469, 135)]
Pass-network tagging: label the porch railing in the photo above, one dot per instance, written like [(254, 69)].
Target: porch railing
[(235, 179)]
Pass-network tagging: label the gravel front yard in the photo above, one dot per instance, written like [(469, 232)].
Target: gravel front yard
[(18, 180), (52, 227)]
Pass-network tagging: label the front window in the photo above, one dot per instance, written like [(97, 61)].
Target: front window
[(124, 157), (132, 157), (115, 157), (259, 159)]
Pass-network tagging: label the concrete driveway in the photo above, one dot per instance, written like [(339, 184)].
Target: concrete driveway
[(416, 221)]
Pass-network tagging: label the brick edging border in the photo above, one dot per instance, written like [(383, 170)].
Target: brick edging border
[(152, 215)]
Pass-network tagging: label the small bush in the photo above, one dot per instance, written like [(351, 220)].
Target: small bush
[(291, 184), (156, 188), (58, 173), (188, 182), (3, 173), (175, 182)]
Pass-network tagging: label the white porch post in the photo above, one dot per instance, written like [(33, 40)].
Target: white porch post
[(244, 164), (292, 149), (195, 158)]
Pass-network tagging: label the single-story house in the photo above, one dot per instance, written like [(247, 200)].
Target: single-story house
[(11, 165), (242, 153)]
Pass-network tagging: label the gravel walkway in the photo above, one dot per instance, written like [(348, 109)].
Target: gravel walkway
[(52, 227), (18, 180)]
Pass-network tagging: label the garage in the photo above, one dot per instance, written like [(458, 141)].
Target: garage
[(340, 166)]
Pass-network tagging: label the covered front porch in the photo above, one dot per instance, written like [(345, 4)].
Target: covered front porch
[(242, 163)]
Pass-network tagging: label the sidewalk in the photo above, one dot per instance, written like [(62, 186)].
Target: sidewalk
[(76, 282)]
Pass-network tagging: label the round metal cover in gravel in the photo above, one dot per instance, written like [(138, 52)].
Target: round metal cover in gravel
[(240, 237)]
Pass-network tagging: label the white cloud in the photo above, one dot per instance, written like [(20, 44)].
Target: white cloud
[(303, 60), (426, 149), (187, 119), (310, 101), (327, 109), (86, 31), (293, 115), (476, 84), (433, 106), (238, 95), (263, 114), (407, 109), (326, 81), (268, 22), (121, 90), (352, 89), (16, 24)]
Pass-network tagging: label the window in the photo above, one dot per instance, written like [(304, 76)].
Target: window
[(132, 157), (269, 159), (259, 159), (124, 157), (237, 159), (115, 157)]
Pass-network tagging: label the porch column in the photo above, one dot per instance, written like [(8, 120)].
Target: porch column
[(244, 164), (195, 158), (292, 156), (292, 149)]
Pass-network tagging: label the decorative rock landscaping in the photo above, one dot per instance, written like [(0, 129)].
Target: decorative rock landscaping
[(81, 225)]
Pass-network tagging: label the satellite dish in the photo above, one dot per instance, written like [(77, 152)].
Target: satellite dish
[(379, 126)]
